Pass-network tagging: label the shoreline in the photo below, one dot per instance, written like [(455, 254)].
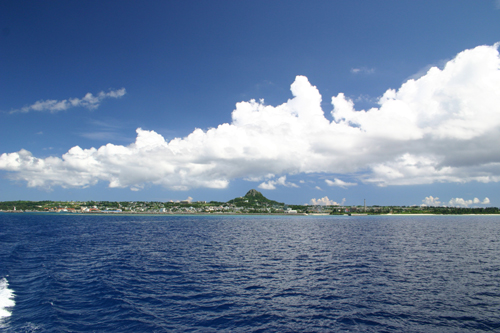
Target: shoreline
[(232, 214)]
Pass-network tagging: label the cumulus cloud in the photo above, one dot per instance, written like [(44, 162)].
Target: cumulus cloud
[(442, 127), (339, 183), (459, 202), (454, 202), (89, 101), (271, 184), (431, 201), (326, 202)]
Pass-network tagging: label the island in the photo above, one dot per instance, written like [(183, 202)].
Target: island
[(253, 202)]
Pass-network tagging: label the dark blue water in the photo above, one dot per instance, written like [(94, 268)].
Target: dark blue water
[(74, 273)]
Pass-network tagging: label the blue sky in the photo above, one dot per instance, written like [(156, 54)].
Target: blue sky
[(88, 74)]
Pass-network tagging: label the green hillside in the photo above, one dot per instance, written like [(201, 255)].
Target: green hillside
[(254, 198)]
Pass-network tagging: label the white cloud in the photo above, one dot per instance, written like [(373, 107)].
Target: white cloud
[(339, 183), (497, 4), (459, 202), (89, 101), (325, 202), (267, 186), (271, 184), (362, 70), (431, 201), (318, 188), (454, 202), (442, 127)]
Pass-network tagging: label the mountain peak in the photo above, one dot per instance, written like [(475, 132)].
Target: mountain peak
[(254, 198), (253, 193)]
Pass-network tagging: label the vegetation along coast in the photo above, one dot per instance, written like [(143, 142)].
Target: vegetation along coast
[(253, 202)]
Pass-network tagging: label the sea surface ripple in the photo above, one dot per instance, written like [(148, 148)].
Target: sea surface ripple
[(81, 273)]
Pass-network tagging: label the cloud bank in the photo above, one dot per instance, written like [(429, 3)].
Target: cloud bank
[(454, 202), (442, 127), (89, 101), (325, 202)]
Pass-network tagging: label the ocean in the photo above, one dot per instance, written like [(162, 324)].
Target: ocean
[(164, 273)]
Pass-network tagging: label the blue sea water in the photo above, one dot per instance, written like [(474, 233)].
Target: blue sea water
[(81, 273)]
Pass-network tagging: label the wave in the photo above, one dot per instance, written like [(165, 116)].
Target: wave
[(6, 299)]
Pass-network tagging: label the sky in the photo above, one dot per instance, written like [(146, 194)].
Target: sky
[(309, 102)]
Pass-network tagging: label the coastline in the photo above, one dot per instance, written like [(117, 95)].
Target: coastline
[(229, 214)]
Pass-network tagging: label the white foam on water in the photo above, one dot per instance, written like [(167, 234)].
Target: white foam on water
[(6, 299)]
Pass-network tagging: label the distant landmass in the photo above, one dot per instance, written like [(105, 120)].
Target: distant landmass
[(254, 198), (253, 202)]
